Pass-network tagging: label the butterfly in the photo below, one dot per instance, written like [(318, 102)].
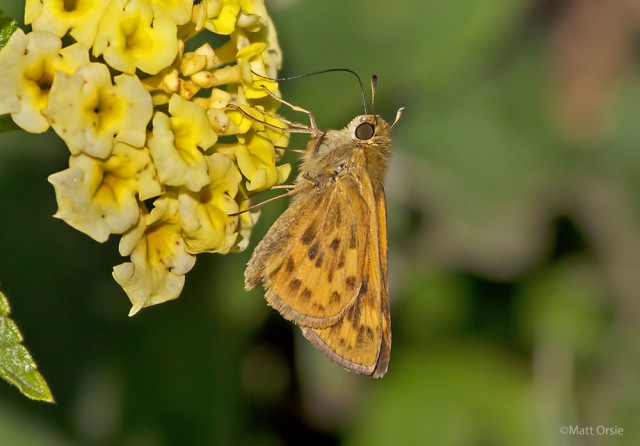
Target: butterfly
[(323, 263)]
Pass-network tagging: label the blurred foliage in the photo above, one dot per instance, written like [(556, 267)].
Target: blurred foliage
[(514, 231)]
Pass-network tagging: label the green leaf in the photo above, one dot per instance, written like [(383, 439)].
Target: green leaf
[(7, 27), (16, 364)]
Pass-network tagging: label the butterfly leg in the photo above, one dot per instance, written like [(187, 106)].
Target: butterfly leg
[(298, 128), (289, 193), (282, 119), (300, 151)]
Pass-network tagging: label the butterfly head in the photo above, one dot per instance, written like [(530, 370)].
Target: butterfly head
[(370, 130)]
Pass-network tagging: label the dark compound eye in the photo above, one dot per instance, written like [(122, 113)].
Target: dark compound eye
[(365, 131)]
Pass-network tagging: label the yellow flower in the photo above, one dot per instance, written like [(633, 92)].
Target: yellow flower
[(101, 197), (178, 142), (204, 216), (255, 151), (215, 105), (256, 159), (273, 55), (159, 259), (254, 72), (226, 16), (222, 16), (90, 113), (27, 67), (253, 15), (132, 36), (79, 18), (142, 121), (179, 11)]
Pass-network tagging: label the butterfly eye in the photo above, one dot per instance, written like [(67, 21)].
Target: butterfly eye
[(365, 131)]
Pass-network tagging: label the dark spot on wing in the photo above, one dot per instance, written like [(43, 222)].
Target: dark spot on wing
[(335, 244), (353, 241), (338, 216), (295, 284), (290, 264), (318, 307), (319, 261), (341, 261), (312, 252), (335, 297), (361, 335), (351, 282), (364, 287), (306, 293), (309, 235), (369, 334), (354, 315)]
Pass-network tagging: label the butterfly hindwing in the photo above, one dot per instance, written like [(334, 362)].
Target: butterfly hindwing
[(385, 347), (361, 340)]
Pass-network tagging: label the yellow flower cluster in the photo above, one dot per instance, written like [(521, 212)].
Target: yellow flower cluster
[(160, 152)]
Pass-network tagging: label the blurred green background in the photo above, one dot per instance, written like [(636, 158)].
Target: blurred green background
[(514, 231)]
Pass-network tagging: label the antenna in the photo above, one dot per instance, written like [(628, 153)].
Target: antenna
[(374, 85), (399, 114), (329, 70)]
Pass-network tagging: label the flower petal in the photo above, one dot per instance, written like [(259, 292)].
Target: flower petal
[(177, 144), (131, 36), (222, 17), (256, 160), (27, 67), (159, 260), (204, 216), (79, 17), (101, 197), (179, 11), (90, 114), (254, 71)]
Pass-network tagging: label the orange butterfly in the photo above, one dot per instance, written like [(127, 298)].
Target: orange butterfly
[(323, 263)]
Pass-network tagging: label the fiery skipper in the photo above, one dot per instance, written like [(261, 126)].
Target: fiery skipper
[(323, 263)]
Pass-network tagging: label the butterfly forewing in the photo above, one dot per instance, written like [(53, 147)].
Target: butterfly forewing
[(320, 262)]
